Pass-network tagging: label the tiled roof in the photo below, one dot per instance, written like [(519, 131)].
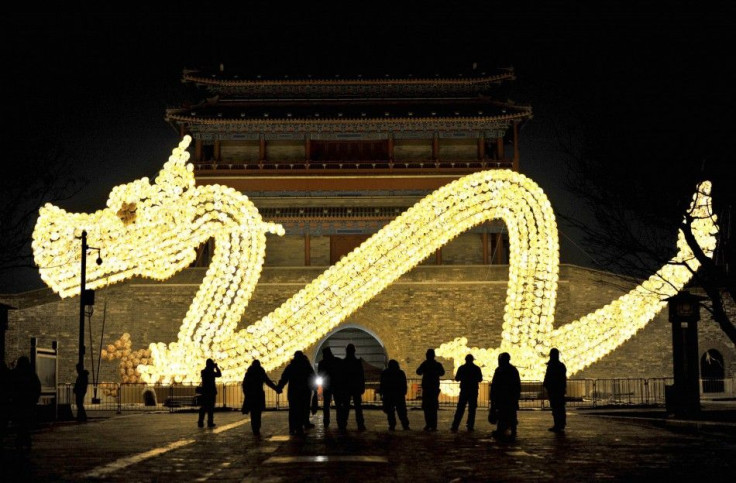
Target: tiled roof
[(223, 79), (259, 86), (324, 110)]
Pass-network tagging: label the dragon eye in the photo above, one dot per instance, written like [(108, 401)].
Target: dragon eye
[(126, 213)]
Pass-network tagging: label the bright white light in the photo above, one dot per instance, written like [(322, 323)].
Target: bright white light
[(319, 381)]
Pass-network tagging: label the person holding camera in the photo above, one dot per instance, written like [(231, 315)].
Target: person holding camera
[(209, 390)]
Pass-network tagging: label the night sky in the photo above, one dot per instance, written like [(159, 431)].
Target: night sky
[(98, 83)]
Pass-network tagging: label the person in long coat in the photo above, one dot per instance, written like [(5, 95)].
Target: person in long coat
[(431, 371), (299, 375), (80, 391), (354, 386), (311, 402), (393, 392), (505, 394), (328, 370), (6, 399), (555, 382), (254, 397), (26, 389), (469, 375), (210, 372)]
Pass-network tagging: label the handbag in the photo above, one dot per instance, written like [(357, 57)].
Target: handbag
[(246, 407), (493, 414)]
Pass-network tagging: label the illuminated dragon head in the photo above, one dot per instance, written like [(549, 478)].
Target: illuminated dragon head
[(136, 234)]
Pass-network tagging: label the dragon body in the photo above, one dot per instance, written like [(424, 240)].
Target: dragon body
[(153, 229)]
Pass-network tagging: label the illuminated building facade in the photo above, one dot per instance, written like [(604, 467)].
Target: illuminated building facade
[(335, 159)]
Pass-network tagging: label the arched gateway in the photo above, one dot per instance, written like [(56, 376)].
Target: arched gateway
[(368, 347)]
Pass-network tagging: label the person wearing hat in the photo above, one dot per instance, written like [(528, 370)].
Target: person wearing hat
[(469, 375)]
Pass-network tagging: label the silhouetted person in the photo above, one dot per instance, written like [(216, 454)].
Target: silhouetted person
[(469, 376), (209, 391), (505, 394), (298, 374), (6, 401), (353, 389), (393, 393), (311, 400), (80, 391), (26, 389), (431, 371), (254, 398), (328, 369), (555, 382)]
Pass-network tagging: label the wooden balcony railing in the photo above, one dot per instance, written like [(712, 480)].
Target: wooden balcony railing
[(348, 165)]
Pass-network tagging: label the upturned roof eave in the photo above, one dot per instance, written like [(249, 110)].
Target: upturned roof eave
[(176, 117), (192, 120), (345, 81)]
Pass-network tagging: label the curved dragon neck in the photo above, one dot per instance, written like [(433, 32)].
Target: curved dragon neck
[(220, 301)]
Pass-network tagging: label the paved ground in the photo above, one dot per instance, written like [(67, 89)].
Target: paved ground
[(170, 447)]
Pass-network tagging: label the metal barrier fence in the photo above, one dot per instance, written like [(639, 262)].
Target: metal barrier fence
[(586, 393)]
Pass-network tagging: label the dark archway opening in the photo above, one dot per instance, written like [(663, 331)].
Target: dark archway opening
[(367, 347), (712, 371)]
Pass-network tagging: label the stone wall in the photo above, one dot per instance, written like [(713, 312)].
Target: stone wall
[(428, 306)]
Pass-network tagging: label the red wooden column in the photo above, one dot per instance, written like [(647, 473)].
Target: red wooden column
[(481, 147), (435, 147), (261, 149), (390, 148), (499, 249), (198, 150), (438, 257), (499, 148), (307, 251), (307, 150), (217, 150), (515, 165), (484, 241)]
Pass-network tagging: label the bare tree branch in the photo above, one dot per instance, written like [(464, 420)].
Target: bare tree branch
[(46, 177), (631, 223)]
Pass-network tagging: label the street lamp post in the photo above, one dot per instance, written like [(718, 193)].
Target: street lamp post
[(86, 297), (82, 288)]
